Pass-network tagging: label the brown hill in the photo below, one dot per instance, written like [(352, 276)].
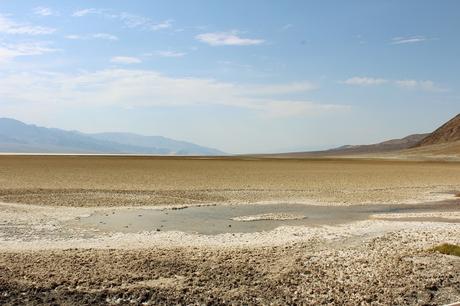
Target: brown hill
[(386, 146), (381, 147), (448, 132), (442, 143)]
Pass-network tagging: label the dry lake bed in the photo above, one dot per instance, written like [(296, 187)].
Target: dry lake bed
[(158, 230)]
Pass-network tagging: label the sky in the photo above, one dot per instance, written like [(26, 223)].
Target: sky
[(240, 76)]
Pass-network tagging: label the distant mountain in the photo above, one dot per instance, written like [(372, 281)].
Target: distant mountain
[(157, 143), (445, 141), (447, 133), (18, 137), (381, 147), (386, 146)]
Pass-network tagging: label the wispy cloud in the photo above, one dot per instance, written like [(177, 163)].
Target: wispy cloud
[(104, 36), (278, 89), (407, 40), (160, 25), (74, 37), (364, 81), (287, 26), (126, 60), (84, 12), (171, 53), (45, 11), (11, 51), (136, 21), (9, 26), (424, 85), (227, 39), (420, 85), (141, 88), (129, 20), (293, 108)]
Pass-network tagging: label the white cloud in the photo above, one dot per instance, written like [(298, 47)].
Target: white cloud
[(84, 12), (424, 85), (136, 21), (45, 11), (128, 19), (161, 25), (132, 88), (227, 39), (171, 53), (278, 89), (11, 51), (286, 27), (74, 37), (288, 108), (125, 60), (421, 85), (9, 26), (407, 83), (407, 40), (104, 36), (364, 81)]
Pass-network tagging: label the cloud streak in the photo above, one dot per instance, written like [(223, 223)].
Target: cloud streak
[(408, 40), (364, 81), (126, 60), (84, 12), (9, 26), (420, 85), (171, 54), (103, 36), (143, 88), (287, 27), (11, 51), (45, 11), (129, 20), (227, 39), (424, 85)]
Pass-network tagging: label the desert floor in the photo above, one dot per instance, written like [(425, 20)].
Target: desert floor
[(48, 257)]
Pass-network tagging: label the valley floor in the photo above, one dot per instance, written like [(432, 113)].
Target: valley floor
[(48, 257)]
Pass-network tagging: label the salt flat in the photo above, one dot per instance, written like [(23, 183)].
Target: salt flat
[(48, 255)]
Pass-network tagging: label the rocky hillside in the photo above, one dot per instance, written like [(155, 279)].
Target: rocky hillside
[(386, 146), (448, 132)]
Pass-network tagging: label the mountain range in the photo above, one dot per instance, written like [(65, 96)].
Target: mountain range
[(385, 146), (443, 141), (18, 137)]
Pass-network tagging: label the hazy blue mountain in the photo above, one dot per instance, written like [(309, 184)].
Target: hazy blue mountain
[(157, 143), (16, 136)]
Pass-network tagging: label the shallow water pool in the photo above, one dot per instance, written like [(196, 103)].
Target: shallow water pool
[(218, 219)]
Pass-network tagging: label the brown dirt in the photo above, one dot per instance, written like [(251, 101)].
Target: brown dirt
[(134, 181)]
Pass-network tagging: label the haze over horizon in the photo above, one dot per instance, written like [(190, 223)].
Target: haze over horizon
[(312, 75)]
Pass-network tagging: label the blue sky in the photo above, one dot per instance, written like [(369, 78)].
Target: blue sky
[(240, 76)]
